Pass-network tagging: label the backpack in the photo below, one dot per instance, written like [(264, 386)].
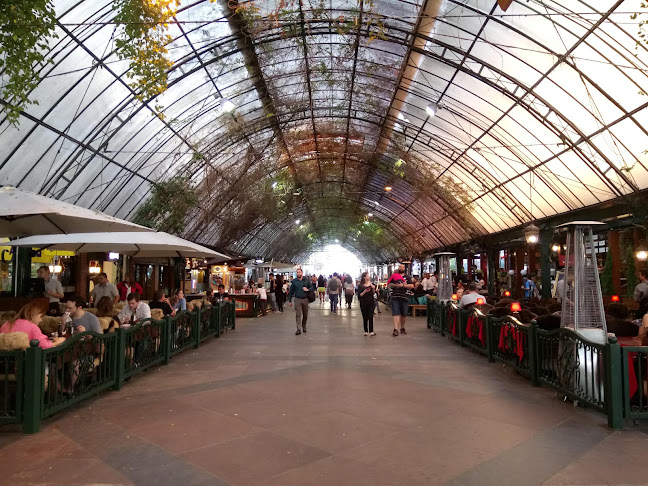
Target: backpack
[(332, 284), (349, 289)]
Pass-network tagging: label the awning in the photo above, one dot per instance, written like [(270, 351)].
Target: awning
[(150, 244), (24, 213)]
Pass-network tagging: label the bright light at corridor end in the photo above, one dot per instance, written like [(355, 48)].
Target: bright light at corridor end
[(332, 258)]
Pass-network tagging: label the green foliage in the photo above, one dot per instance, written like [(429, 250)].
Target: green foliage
[(25, 26), (142, 40), (630, 270), (607, 284), (168, 205)]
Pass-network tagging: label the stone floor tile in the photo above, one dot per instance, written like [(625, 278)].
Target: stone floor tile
[(255, 458)]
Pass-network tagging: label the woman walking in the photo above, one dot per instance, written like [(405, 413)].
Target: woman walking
[(279, 293), (321, 288), (366, 291), (349, 290)]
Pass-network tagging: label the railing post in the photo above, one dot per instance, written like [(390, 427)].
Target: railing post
[(120, 358), (198, 327), (490, 345), (443, 318), (166, 342), (429, 313), (613, 383), (233, 306), (461, 316), (34, 388), (533, 353)]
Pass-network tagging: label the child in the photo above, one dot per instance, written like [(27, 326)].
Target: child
[(263, 298)]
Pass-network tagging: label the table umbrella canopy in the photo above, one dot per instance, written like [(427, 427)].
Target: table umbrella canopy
[(24, 213), (150, 244)]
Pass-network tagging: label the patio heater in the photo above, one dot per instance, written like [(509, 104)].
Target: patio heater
[(579, 366), (582, 304), (444, 289)]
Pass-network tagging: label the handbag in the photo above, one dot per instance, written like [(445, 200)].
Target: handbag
[(311, 296)]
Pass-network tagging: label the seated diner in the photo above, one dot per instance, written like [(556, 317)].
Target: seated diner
[(77, 318), (27, 320), (134, 311), (160, 302)]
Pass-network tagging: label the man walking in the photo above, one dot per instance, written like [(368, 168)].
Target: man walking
[(271, 293), (399, 284), (333, 286), (641, 294), (299, 288)]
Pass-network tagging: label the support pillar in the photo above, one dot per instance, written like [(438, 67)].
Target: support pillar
[(531, 259), (469, 273), (615, 251), (21, 270), (491, 257), (545, 263), (81, 275), (178, 270)]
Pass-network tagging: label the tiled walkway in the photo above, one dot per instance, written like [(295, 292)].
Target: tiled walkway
[(261, 406)]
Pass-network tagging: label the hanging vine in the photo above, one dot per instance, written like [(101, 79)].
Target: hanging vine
[(168, 206), (24, 29), (142, 40)]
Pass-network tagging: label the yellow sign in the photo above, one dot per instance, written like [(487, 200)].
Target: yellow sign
[(46, 256)]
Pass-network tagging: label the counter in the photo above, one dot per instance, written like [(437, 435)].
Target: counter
[(247, 305)]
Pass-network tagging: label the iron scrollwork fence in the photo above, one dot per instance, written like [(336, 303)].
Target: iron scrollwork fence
[(11, 386), (37, 383), (510, 340), (635, 381), (182, 332), (475, 331), (81, 367), (143, 345)]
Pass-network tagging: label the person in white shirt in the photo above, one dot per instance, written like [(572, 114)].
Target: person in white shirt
[(263, 298), (134, 311), (435, 282), (428, 283), (53, 289), (470, 296)]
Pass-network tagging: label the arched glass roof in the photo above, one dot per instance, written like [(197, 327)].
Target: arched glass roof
[(540, 110)]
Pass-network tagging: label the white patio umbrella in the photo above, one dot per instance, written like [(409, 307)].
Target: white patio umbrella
[(150, 244), (24, 213)]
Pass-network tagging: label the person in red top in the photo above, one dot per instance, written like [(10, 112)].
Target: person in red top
[(128, 286)]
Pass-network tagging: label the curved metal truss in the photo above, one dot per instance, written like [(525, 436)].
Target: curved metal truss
[(539, 111)]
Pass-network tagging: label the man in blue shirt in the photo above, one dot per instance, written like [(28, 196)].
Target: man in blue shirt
[(299, 288), (529, 287)]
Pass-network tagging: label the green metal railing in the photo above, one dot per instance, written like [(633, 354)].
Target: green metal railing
[(80, 367), (37, 383), (594, 374), (510, 342), (635, 381), (475, 331), (227, 316), (572, 365), (11, 388), (142, 346)]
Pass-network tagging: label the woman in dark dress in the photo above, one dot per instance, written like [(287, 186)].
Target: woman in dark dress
[(279, 294), (366, 292)]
